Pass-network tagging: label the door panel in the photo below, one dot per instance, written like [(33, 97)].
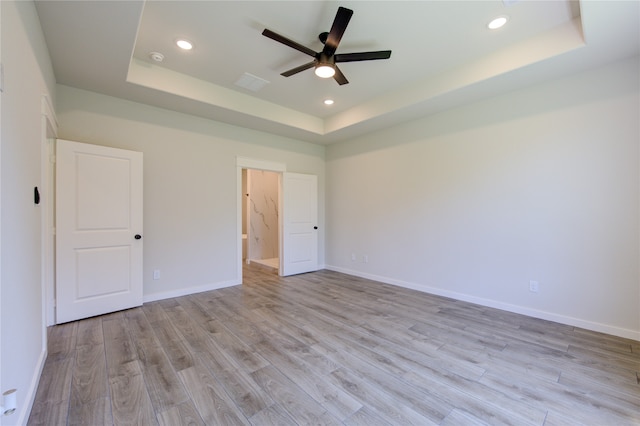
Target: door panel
[(102, 204), (299, 224), (93, 276), (98, 214)]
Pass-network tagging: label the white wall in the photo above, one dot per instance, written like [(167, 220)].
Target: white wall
[(540, 184), (191, 220), (27, 76)]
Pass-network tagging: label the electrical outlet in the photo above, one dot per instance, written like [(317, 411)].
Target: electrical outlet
[(8, 402), (534, 286), (156, 274)]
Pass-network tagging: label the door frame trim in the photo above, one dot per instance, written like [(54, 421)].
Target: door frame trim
[(254, 164), (49, 134)]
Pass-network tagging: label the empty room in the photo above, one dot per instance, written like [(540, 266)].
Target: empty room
[(320, 212)]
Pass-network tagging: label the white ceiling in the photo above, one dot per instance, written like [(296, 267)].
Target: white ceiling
[(443, 55)]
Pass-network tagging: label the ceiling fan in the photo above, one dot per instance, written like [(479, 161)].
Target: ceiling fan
[(325, 61)]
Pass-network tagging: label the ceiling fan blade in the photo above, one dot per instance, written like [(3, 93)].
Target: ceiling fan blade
[(288, 42), (362, 56), (296, 70), (339, 77), (343, 16)]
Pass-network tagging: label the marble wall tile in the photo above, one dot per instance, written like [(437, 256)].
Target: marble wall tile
[(263, 214)]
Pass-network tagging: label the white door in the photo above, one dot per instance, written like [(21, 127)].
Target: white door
[(299, 248), (98, 230)]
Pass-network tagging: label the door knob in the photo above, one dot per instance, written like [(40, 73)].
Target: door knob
[(315, 227), (138, 236)]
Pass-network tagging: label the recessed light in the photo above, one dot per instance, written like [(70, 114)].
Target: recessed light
[(184, 44), (328, 101), (498, 22)]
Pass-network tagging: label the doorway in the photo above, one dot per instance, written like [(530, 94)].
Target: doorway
[(261, 218), (297, 218)]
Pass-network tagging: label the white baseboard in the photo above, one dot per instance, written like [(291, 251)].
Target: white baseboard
[(188, 290), (549, 316), (25, 412), (196, 289)]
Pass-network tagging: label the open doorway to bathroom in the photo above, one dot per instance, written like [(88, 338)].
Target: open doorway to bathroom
[(260, 218)]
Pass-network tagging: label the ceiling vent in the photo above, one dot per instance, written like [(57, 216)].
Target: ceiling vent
[(251, 82)]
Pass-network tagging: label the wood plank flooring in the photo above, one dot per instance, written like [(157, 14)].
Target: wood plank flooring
[(328, 348)]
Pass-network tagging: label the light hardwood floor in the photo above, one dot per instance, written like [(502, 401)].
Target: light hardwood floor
[(328, 348)]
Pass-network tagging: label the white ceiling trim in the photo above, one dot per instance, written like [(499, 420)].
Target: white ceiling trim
[(554, 42), (175, 83)]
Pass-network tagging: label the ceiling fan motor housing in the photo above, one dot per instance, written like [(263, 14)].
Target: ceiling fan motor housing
[(327, 56), (325, 59)]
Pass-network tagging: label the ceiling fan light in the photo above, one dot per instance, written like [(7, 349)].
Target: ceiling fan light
[(325, 71)]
